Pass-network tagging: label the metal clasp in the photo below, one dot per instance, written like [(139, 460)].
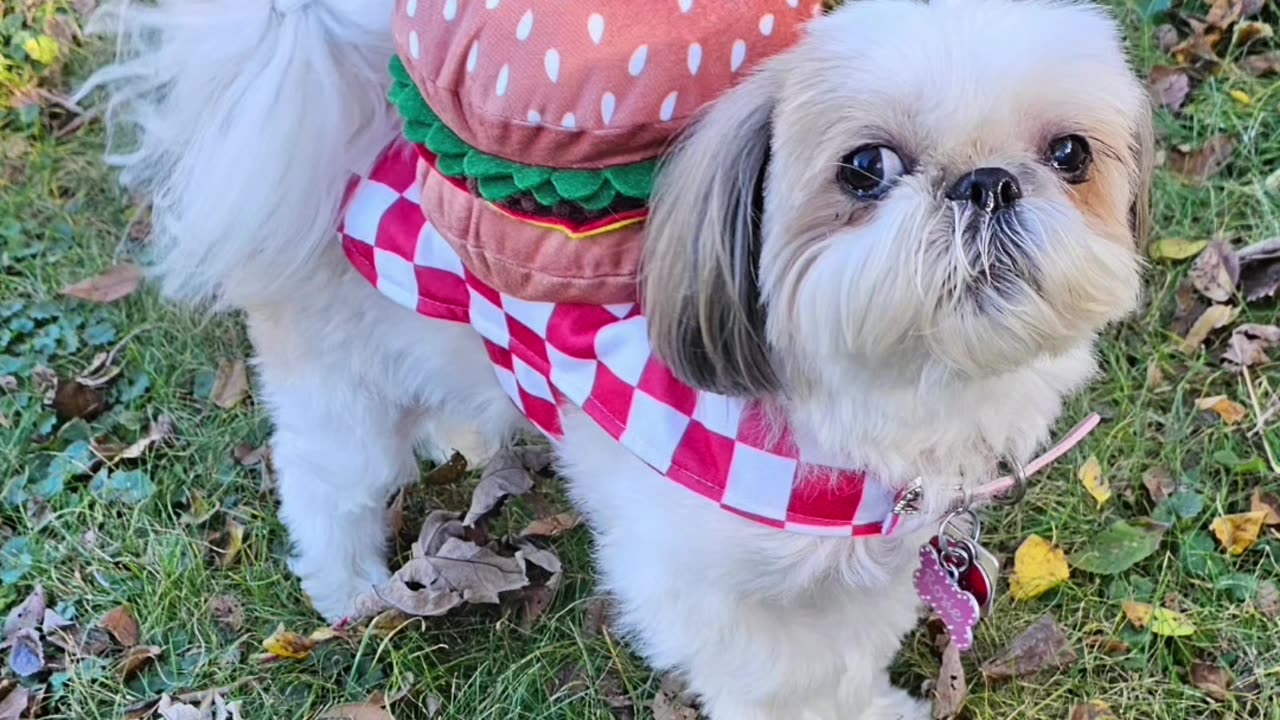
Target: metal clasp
[(909, 498)]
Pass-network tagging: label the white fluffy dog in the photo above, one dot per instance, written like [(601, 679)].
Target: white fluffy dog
[(906, 233)]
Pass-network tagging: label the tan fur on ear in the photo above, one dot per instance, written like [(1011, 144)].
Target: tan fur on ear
[(1144, 142), (701, 284)]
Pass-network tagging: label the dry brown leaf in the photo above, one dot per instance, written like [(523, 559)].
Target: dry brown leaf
[(951, 691), (395, 513), (1225, 13), (1249, 32), (1266, 503), (73, 399), (1155, 376), (227, 613), (231, 385), (1263, 64), (228, 543), (1230, 411), (449, 473), (1170, 87), (1107, 645), (1268, 599), (479, 573), (247, 455), (544, 558), (511, 480), (667, 707), (1200, 48), (53, 622), (439, 526), (136, 659), (15, 704), (433, 584), (553, 526), (1249, 345), (533, 602), (1215, 318), (1159, 483), (1239, 532), (1213, 680), (122, 626), (1216, 272), (1190, 306), (27, 615), (356, 711), (26, 653), (1043, 646), (1166, 37), (1093, 710), (160, 431), (116, 283), (598, 616), (1201, 164), (171, 709), (288, 645), (1260, 262)]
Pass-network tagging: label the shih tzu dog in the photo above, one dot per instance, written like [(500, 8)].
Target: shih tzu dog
[(888, 246)]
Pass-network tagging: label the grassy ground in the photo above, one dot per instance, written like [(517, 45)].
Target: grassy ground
[(62, 219)]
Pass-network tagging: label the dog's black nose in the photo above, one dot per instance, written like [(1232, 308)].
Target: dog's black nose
[(989, 189)]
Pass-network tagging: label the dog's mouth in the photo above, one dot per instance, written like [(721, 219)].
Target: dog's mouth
[(995, 257)]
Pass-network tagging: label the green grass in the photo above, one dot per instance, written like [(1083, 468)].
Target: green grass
[(62, 219)]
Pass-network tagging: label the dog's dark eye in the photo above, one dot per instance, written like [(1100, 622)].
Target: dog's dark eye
[(870, 171), (1070, 155)]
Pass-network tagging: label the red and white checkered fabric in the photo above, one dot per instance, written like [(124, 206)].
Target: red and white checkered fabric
[(598, 358)]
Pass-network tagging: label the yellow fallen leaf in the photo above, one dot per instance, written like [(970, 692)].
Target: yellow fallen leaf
[(1239, 532), (1090, 475), (1162, 621), (231, 543), (322, 634), (1230, 411), (1177, 249), (1038, 567), (1241, 97), (288, 645), (43, 49), (1215, 317)]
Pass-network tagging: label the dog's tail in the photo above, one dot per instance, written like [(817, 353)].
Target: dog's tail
[(243, 121)]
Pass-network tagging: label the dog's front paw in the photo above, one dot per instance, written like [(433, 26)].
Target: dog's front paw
[(338, 598), (897, 705)]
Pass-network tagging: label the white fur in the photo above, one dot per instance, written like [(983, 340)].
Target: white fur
[(251, 117)]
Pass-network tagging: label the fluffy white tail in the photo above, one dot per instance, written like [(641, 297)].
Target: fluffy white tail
[(244, 120)]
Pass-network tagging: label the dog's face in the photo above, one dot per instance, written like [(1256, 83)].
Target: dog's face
[(959, 185)]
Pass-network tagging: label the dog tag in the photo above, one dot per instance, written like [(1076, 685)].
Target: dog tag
[(937, 582), (982, 577)]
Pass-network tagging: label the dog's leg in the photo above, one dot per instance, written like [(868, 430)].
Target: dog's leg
[(341, 447)]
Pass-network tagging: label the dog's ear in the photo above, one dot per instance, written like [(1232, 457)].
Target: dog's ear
[(702, 253), (1144, 153)]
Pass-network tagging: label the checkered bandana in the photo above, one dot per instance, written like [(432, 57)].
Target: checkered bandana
[(597, 358)]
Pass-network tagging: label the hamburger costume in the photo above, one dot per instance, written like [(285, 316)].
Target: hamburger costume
[(516, 201)]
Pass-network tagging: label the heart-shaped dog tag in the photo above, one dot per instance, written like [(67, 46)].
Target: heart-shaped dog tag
[(980, 579), (938, 586)]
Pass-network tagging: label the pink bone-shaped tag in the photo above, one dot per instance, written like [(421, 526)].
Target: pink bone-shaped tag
[(958, 609)]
